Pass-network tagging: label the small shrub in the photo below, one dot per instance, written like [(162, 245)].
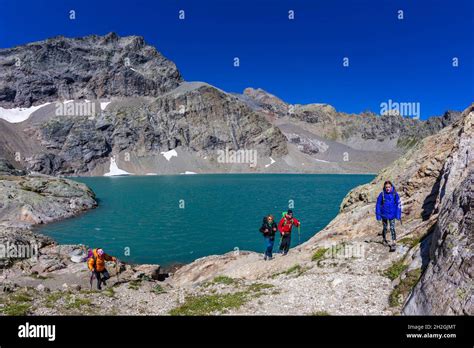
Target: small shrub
[(110, 292), (319, 254), (394, 271), (21, 297), (401, 291), (295, 270), (53, 298), (77, 303), (134, 284), (158, 289), (410, 241), (257, 287)]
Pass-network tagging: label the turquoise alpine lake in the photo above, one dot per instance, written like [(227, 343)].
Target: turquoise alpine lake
[(179, 218)]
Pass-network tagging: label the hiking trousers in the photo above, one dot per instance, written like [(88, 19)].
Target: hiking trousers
[(285, 243), (385, 222), (105, 276), (269, 246)]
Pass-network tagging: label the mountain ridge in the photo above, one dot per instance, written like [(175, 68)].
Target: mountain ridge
[(142, 107)]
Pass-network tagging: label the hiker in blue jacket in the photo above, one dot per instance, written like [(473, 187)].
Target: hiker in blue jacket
[(387, 209)]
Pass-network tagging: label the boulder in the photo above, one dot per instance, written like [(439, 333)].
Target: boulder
[(147, 271)]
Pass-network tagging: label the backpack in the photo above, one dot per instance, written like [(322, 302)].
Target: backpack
[(90, 255), (283, 214)]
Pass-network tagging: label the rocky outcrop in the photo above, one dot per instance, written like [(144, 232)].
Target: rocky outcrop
[(30, 200), (7, 169), (446, 285), (91, 67)]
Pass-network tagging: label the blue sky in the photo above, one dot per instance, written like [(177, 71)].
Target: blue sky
[(300, 61)]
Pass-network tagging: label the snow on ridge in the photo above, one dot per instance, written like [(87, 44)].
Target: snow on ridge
[(169, 154), (114, 169), (188, 173), (17, 115), (271, 162)]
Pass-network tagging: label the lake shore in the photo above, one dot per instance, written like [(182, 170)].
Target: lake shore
[(192, 204), (343, 270)]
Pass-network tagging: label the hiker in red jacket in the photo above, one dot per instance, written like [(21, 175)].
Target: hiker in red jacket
[(285, 225)]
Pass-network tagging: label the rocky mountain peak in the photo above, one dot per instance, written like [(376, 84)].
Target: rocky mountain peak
[(89, 67), (266, 100)]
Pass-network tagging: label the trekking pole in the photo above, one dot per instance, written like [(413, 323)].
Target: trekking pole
[(91, 278), (117, 268), (299, 234)]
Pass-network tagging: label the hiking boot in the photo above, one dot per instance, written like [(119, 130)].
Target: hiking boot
[(270, 258), (265, 258), (385, 242)]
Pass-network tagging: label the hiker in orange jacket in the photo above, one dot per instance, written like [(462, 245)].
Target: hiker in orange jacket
[(96, 264), (285, 226)]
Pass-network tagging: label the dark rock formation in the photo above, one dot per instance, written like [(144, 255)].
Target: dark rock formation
[(91, 67), (7, 169)]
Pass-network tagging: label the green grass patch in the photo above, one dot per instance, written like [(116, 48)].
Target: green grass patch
[(258, 287), (394, 271), (295, 270), (209, 304), (319, 254), (220, 303), (17, 304), (73, 302), (16, 309), (400, 292), (256, 290), (53, 298), (21, 297), (158, 289), (223, 280), (134, 284), (320, 314), (410, 241), (110, 292)]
